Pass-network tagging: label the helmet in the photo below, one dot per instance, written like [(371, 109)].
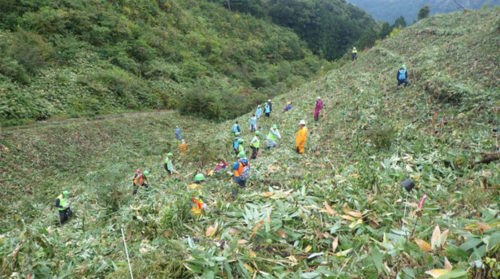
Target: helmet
[(240, 140), (269, 100), (237, 133), (169, 154), (146, 173), (137, 171), (199, 177), (318, 97), (65, 193), (257, 133), (275, 126), (403, 66), (302, 122), (354, 47), (241, 155)]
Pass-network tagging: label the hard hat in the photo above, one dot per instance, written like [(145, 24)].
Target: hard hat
[(138, 171), (275, 126), (237, 133), (241, 155), (170, 154), (302, 122), (257, 133), (240, 140), (269, 100), (318, 97), (146, 173), (65, 193), (403, 66), (354, 47), (199, 177)]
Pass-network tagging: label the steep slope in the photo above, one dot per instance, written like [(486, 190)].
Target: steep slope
[(66, 58), (389, 10), (337, 211)]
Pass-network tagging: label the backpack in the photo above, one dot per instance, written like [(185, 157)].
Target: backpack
[(245, 173), (402, 74)]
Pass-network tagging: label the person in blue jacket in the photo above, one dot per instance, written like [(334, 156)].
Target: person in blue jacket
[(177, 132), (267, 110), (241, 172), (402, 76), (236, 128), (236, 142), (258, 112), (253, 123)]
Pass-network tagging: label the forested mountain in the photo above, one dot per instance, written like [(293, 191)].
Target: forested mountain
[(329, 27), (390, 10), (74, 58)]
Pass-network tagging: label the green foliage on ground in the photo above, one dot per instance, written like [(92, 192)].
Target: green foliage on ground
[(330, 27), (82, 58), (335, 212)]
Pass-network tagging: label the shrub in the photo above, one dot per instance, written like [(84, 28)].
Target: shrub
[(30, 50)]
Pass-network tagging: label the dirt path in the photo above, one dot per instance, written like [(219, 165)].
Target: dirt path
[(86, 119)]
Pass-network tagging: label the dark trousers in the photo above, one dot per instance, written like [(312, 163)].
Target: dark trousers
[(64, 215), (136, 187), (242, 184), (267, 114), (402, 81), (354, 56), (255, 152)]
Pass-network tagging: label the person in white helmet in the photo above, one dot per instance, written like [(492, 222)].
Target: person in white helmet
[(300, 140), (268, 108), (354, 53)]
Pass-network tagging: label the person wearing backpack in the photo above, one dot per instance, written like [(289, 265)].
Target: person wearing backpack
[(402, 76), (255, 144), (236, 128), (241, 172), (169, 165), (140, 180), (273, 136), (300, 140)]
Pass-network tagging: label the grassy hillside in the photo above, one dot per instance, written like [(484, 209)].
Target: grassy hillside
[(335, 212), (390, 10), (67, 59)]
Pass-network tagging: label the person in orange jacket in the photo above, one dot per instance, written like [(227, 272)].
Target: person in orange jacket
[(183, 147), (300, 140)]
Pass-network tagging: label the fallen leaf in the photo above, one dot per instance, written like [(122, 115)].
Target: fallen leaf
[(242, 241), (257, 227), (353, 213), (444, 236), (335, 243), (211, 230), (328, 209), (249, 268), (435, 273), (483, 226), (267, 194), (436, 238), (447, 264), (252, 254), (281, 234), (423, 245), (343, 253), (354, 224), (308, 248), (347, 217), (268, 218)]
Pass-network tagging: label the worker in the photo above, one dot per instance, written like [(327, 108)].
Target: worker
[(241, 172), (197, 204), (300, 141), (169, 165), (255, 144), (288, 107), (354, 53), (140, 180), (221, 165), (258, 112), (318, 108), (236, 142), (273, 136), (183, 147), (253, 123), (402, 76), (268, 108), (236, 128), (62, 205), (241, 147), (177, 132)]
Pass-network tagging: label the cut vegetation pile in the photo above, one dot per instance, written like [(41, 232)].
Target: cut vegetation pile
[(338, 211)]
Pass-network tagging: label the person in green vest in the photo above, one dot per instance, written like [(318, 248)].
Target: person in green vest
[(62, 205), (273, 136), (241, 148), (354, 53), (169, 165), (255, 144)]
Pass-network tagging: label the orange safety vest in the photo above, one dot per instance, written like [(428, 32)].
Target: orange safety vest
[(238, 172), (139, 180)]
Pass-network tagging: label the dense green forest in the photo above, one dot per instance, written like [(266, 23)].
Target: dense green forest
[(330, 27), (390, 10), (78, 58)]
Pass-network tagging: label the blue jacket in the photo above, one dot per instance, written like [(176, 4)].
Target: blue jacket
[(236, 128), (236, 144), (402, 73), (253, 120), (237, 165), (258, 112), (177, 132), (267, 109)]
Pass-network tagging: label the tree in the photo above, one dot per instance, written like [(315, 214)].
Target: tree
[(400, 22), (385, 30), (424, 12)]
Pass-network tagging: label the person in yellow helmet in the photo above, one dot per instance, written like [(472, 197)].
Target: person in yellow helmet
[(300, 140), (62, 205)]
